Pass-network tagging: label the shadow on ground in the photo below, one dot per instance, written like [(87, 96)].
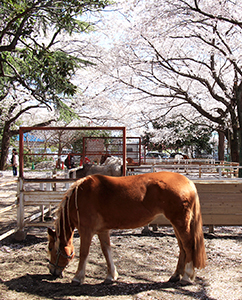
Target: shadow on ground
[(45, 286)]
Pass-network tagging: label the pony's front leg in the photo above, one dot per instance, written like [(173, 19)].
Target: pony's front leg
[(86, 238), (104, 238)]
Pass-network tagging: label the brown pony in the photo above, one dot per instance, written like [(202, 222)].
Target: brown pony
[(98, 203)]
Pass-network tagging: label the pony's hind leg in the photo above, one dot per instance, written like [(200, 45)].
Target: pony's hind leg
[(177, 276), (86, 238), (112, 273), (185, 268)]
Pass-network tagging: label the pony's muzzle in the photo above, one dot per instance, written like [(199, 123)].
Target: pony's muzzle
[(56, 272)]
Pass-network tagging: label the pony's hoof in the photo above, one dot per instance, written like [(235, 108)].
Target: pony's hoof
[(175, 278), (76, 281), (108, 281), (185, 282)]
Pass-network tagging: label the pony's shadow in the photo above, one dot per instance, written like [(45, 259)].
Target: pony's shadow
[(148, 233), (46, 286), (227, 235)]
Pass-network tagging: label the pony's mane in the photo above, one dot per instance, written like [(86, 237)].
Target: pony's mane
[(64, 205)]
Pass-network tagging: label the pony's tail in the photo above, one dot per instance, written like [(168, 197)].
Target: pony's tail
[(199, 253)]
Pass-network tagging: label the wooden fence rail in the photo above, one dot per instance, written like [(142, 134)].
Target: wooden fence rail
[(198, 171), (3, 210), (221, 203)]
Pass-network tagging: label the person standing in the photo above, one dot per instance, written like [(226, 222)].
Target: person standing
[(69, 161), (14, 162)]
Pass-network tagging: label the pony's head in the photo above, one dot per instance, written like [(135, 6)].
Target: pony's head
[(60, 254)]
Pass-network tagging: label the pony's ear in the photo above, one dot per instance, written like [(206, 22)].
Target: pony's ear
[(51, 233)]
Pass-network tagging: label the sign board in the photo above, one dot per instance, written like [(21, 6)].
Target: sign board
[(95, 146)]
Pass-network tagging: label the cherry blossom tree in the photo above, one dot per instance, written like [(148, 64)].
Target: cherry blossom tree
[(179, 58), (39, 56)]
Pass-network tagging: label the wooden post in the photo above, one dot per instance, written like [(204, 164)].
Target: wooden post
[(42, 213), (211, 228), (154, 227), (139, 151), (20, 234), (146, 230), (220, 173), (67, 184), (49, 184)]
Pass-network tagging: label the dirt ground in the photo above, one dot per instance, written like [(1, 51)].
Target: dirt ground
[(144, 263)]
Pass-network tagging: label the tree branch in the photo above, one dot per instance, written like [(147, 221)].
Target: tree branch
[(211, 16), (43, 124)]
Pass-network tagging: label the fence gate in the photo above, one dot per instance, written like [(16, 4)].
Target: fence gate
[(40, 194)]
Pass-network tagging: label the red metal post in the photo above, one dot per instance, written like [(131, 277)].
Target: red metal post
[(124, 151), (21, 152), (84, 149)]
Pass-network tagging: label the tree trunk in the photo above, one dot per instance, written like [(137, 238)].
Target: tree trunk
[(5, 146), (220, 145), (239, 107), (234, 146), (240, 149)]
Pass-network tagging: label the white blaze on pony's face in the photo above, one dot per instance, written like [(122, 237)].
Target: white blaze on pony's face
[(59, 255)]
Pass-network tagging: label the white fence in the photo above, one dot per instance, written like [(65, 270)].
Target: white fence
[(197, 171), (49, 193)]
